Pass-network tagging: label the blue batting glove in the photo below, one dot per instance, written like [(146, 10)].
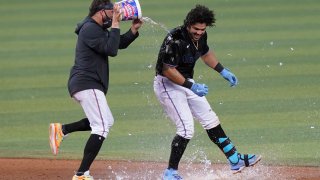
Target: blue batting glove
[(229, 76), (199, 89)]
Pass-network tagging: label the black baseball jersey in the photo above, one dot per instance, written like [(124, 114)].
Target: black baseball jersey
[(178, 50), (94, 45)]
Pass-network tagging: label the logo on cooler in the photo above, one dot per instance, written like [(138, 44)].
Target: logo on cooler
[(128, 10)]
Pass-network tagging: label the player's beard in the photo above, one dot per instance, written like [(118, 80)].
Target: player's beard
[(195, 37)]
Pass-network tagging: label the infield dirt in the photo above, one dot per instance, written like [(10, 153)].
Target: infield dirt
[(121, 170)]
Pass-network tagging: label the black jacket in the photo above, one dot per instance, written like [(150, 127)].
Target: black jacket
[(94, 45)]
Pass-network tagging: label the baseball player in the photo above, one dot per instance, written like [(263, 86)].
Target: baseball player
[(184, 99), (89, 78)]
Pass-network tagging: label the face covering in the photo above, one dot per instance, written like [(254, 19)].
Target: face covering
[(107, 22)]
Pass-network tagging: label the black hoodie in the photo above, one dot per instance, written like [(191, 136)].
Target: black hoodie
[(94, 45)]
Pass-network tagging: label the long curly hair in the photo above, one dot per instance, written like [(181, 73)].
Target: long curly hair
[(200, 14)]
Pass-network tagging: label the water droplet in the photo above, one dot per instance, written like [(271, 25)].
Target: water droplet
[(152, 22)]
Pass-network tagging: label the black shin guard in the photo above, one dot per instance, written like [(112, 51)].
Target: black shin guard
[(82, 125), (218, 136), (178, 146), (216, 133), (91, 150)]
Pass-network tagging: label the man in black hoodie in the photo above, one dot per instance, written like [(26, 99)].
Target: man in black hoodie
[(89, 78)]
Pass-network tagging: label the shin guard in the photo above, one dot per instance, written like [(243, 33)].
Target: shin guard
[(218, 136), (228, 149)]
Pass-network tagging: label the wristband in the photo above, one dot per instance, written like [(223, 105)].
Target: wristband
[(218, 67), (187, 84)]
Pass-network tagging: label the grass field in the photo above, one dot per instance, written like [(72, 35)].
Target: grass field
[(272, 46)]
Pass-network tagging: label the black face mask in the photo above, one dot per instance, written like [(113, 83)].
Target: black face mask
[(107, 22)]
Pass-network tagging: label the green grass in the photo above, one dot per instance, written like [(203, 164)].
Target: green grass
[(272, 47)]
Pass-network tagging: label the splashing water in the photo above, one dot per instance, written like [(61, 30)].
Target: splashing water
[(152, 22), (200, 155)]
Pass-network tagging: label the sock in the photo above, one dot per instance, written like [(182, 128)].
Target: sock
[(218, 136), (178, 145), (91, 150), (82, 125)]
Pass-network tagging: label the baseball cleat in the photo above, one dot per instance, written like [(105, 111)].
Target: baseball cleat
[(171, 174), (55, 137), (245, 160), (85, 176)]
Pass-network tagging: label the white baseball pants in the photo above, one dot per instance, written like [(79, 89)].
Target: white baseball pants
[(95, 106), (181, 105)]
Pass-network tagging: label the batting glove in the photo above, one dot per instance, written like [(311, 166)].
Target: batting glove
[(199, 89), (229, 76)]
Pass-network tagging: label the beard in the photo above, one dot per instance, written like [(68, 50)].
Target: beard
[(194, 36)]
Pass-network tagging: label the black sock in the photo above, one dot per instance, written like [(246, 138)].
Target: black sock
[(82, 125), (178, 145), (91, 150)]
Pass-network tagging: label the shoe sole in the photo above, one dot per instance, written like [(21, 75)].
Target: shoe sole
[(52, 139), (82, 177), (254, 163)]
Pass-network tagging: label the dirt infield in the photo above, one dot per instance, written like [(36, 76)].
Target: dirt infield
[(64, 169)]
